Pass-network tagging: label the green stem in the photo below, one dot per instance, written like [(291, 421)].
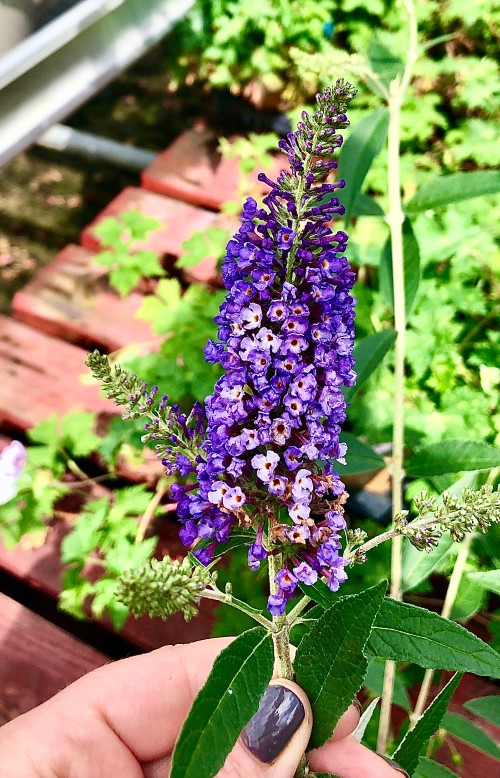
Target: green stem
[(227, 599), (395, 220), (297, 610), (300, 209), (449, 601), (281, 633)]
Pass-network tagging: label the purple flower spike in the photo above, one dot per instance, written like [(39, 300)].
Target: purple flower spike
[(285, 338)]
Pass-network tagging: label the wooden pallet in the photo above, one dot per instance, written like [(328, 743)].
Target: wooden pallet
[(42, 375), (192, 169), (71, 299), (38, 659)]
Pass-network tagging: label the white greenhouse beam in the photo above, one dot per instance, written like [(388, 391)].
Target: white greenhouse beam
[(57, 69)]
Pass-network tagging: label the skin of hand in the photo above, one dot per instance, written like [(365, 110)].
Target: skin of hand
[(123, 719)]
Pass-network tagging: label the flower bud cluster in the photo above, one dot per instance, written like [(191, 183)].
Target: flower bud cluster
[(285, 342), (161, 588), (178, 438)]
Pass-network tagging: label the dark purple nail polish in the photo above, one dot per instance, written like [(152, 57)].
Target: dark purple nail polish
[(279, 716), (395, 765), (358, 705)]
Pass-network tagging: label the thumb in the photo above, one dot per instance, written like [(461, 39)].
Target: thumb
[(278, 734)]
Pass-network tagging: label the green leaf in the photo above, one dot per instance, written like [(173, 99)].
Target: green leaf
[(469, 600), (364, 205), (368, 354), (486, 707), (470, 733), (330, 665), (408, 752), (225, 704), (406, 633), (110, 232), (78, 434), (411, 256), (451, 189), (358, 153), (452, 456), (489, 580), (417, 566), (382, 61), (360, 458), (374, 681), (365, 719), (123, 279), (209, 243), (428, 768), (320, 593)]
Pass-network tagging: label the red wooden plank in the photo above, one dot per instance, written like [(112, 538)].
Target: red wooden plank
[(179, 219), (37, 659), (191, 169), (41, 569), (70, 298), (41, 376)]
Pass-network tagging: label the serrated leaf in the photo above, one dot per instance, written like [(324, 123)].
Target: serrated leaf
[(470, 733), (330, 665), (489, 580), (224, 705), (486, 707), (452, 456), (428, 768), (407, 633), (408, 752), (411, 258), (78, 434), (209, 243), (451, 189), (368, 354), (358, 152), (418, 565), (360, 458), (123, 279), (110, 232)]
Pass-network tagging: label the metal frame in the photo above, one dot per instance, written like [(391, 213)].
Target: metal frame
[(60, 67)]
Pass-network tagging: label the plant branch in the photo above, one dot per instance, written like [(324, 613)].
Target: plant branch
[(395, 218), (161, 489), (227, 599), (449, 601), (281, 633), (297, 610)]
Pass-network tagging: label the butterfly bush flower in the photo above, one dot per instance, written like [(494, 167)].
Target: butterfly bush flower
[(12, 462), (285, 337)]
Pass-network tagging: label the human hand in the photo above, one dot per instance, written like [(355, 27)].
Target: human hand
[(123, 719)]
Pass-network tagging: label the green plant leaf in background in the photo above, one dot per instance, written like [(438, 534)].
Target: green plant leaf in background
[(374, 681), (452, 456), (428, 768), (411, 256), (224, 705), (470, 733), (451, 189), (489, 580), (406, 633), (208, 243), (330, 665), (469, 600), (360, 458), (368, 354), (408, 752), (364, 205), (486, 707), (418, 566), (382, 61), (358, 152)]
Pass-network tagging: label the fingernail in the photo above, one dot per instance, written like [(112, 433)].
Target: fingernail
[(279, 716), (395, 765), (358, 705)]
